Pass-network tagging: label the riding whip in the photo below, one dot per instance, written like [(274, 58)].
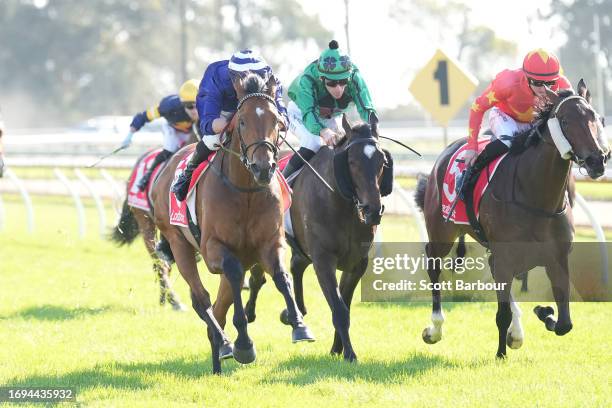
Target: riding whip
[(308, 164)]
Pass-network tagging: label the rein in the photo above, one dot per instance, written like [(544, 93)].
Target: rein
[(244, 148), (536, 133)]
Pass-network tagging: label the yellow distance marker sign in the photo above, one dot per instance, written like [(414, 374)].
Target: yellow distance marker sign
[(442, 87)]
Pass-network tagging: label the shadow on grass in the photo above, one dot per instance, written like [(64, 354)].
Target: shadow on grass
[(305, 370), (58, 313), (125, 376)]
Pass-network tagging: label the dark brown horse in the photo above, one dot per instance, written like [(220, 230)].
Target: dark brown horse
[(239, 213), (334, 230), (524, 211)]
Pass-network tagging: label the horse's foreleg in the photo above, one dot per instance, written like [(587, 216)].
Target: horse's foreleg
[(244, 350), (558, 274), (325, 268), (271, 261), (298, 266), (348, 283), (256, 281), (220, 308), (200, 298)]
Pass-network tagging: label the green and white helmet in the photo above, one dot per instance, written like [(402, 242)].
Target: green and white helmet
[(334, 64)]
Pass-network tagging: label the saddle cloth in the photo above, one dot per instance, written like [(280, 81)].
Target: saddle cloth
[(451, 175), (137, 198), (178, 209)]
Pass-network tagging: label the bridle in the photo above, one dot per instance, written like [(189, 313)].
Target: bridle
[(244, 148)]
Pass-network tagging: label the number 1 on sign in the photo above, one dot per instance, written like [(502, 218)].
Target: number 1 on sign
[(441, 75)]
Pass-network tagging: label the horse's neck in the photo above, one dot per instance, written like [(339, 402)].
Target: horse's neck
[(542, 177)]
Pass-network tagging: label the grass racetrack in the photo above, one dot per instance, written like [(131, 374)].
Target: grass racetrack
[(84, 314)]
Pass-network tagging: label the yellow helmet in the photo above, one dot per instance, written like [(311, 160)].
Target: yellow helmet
[(188, 91)]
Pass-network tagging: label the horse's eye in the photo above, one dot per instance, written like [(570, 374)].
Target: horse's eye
[(241, 123)]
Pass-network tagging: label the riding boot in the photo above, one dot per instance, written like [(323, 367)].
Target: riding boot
[(491, 151), (181, 186), (295, 163), (159, 159)]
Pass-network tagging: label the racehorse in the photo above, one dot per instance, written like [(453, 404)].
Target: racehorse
[(335, 229), (525, 204), (239, 213)]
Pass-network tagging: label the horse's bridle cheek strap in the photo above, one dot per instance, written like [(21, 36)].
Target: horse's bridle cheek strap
[(559, 139)]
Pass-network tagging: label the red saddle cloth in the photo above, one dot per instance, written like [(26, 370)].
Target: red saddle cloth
[(178, 209), (137, 198), (453, 171)]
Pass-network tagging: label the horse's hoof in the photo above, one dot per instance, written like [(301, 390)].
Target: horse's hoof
[(179, 307), (500, 356), (245, 356), (226, 351), (562, 329), (284, 317), (302, 333), (351, 358), (513, 343), (543, 312), (429, 338)]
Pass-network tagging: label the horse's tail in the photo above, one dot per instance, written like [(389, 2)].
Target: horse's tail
[(419, 194), (126, 229)]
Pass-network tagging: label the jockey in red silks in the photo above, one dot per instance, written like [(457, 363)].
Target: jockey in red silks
[(511, 98), (180, 114)]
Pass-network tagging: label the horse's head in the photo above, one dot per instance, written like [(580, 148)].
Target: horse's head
[(577, 130), (257, 125), (363, 171)]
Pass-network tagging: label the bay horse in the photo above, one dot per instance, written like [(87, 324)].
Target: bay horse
[(335, 230), (524, 211), (134, 221), (240, 215)]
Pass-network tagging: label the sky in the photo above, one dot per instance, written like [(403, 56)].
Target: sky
[(378, 42)]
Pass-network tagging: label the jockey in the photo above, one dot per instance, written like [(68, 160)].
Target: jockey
[(511, 98), (217, 102), (180, 114), (319, 96)]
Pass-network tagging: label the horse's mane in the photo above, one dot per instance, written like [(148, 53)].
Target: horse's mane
[(522, 141), (253, 83)]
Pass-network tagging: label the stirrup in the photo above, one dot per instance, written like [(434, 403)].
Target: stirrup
[(142, 184)]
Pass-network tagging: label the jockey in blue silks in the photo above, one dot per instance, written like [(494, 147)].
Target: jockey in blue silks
[(217, 102)]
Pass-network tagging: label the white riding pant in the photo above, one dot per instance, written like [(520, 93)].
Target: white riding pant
[(173, 139), (504, 126), (307, 139)]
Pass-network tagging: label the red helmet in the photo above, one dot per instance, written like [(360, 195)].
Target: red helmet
[(541, 65)]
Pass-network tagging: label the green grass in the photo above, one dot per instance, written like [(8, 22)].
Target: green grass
[(83, 313)]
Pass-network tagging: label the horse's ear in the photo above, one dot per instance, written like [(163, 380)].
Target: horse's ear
[(346, 125), (237, 82), (271, 85), (583, 91), (552, 96)]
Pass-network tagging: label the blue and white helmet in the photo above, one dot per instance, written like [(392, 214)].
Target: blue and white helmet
[(249, 61)]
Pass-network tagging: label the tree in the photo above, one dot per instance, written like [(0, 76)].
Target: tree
[(577, 55)]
